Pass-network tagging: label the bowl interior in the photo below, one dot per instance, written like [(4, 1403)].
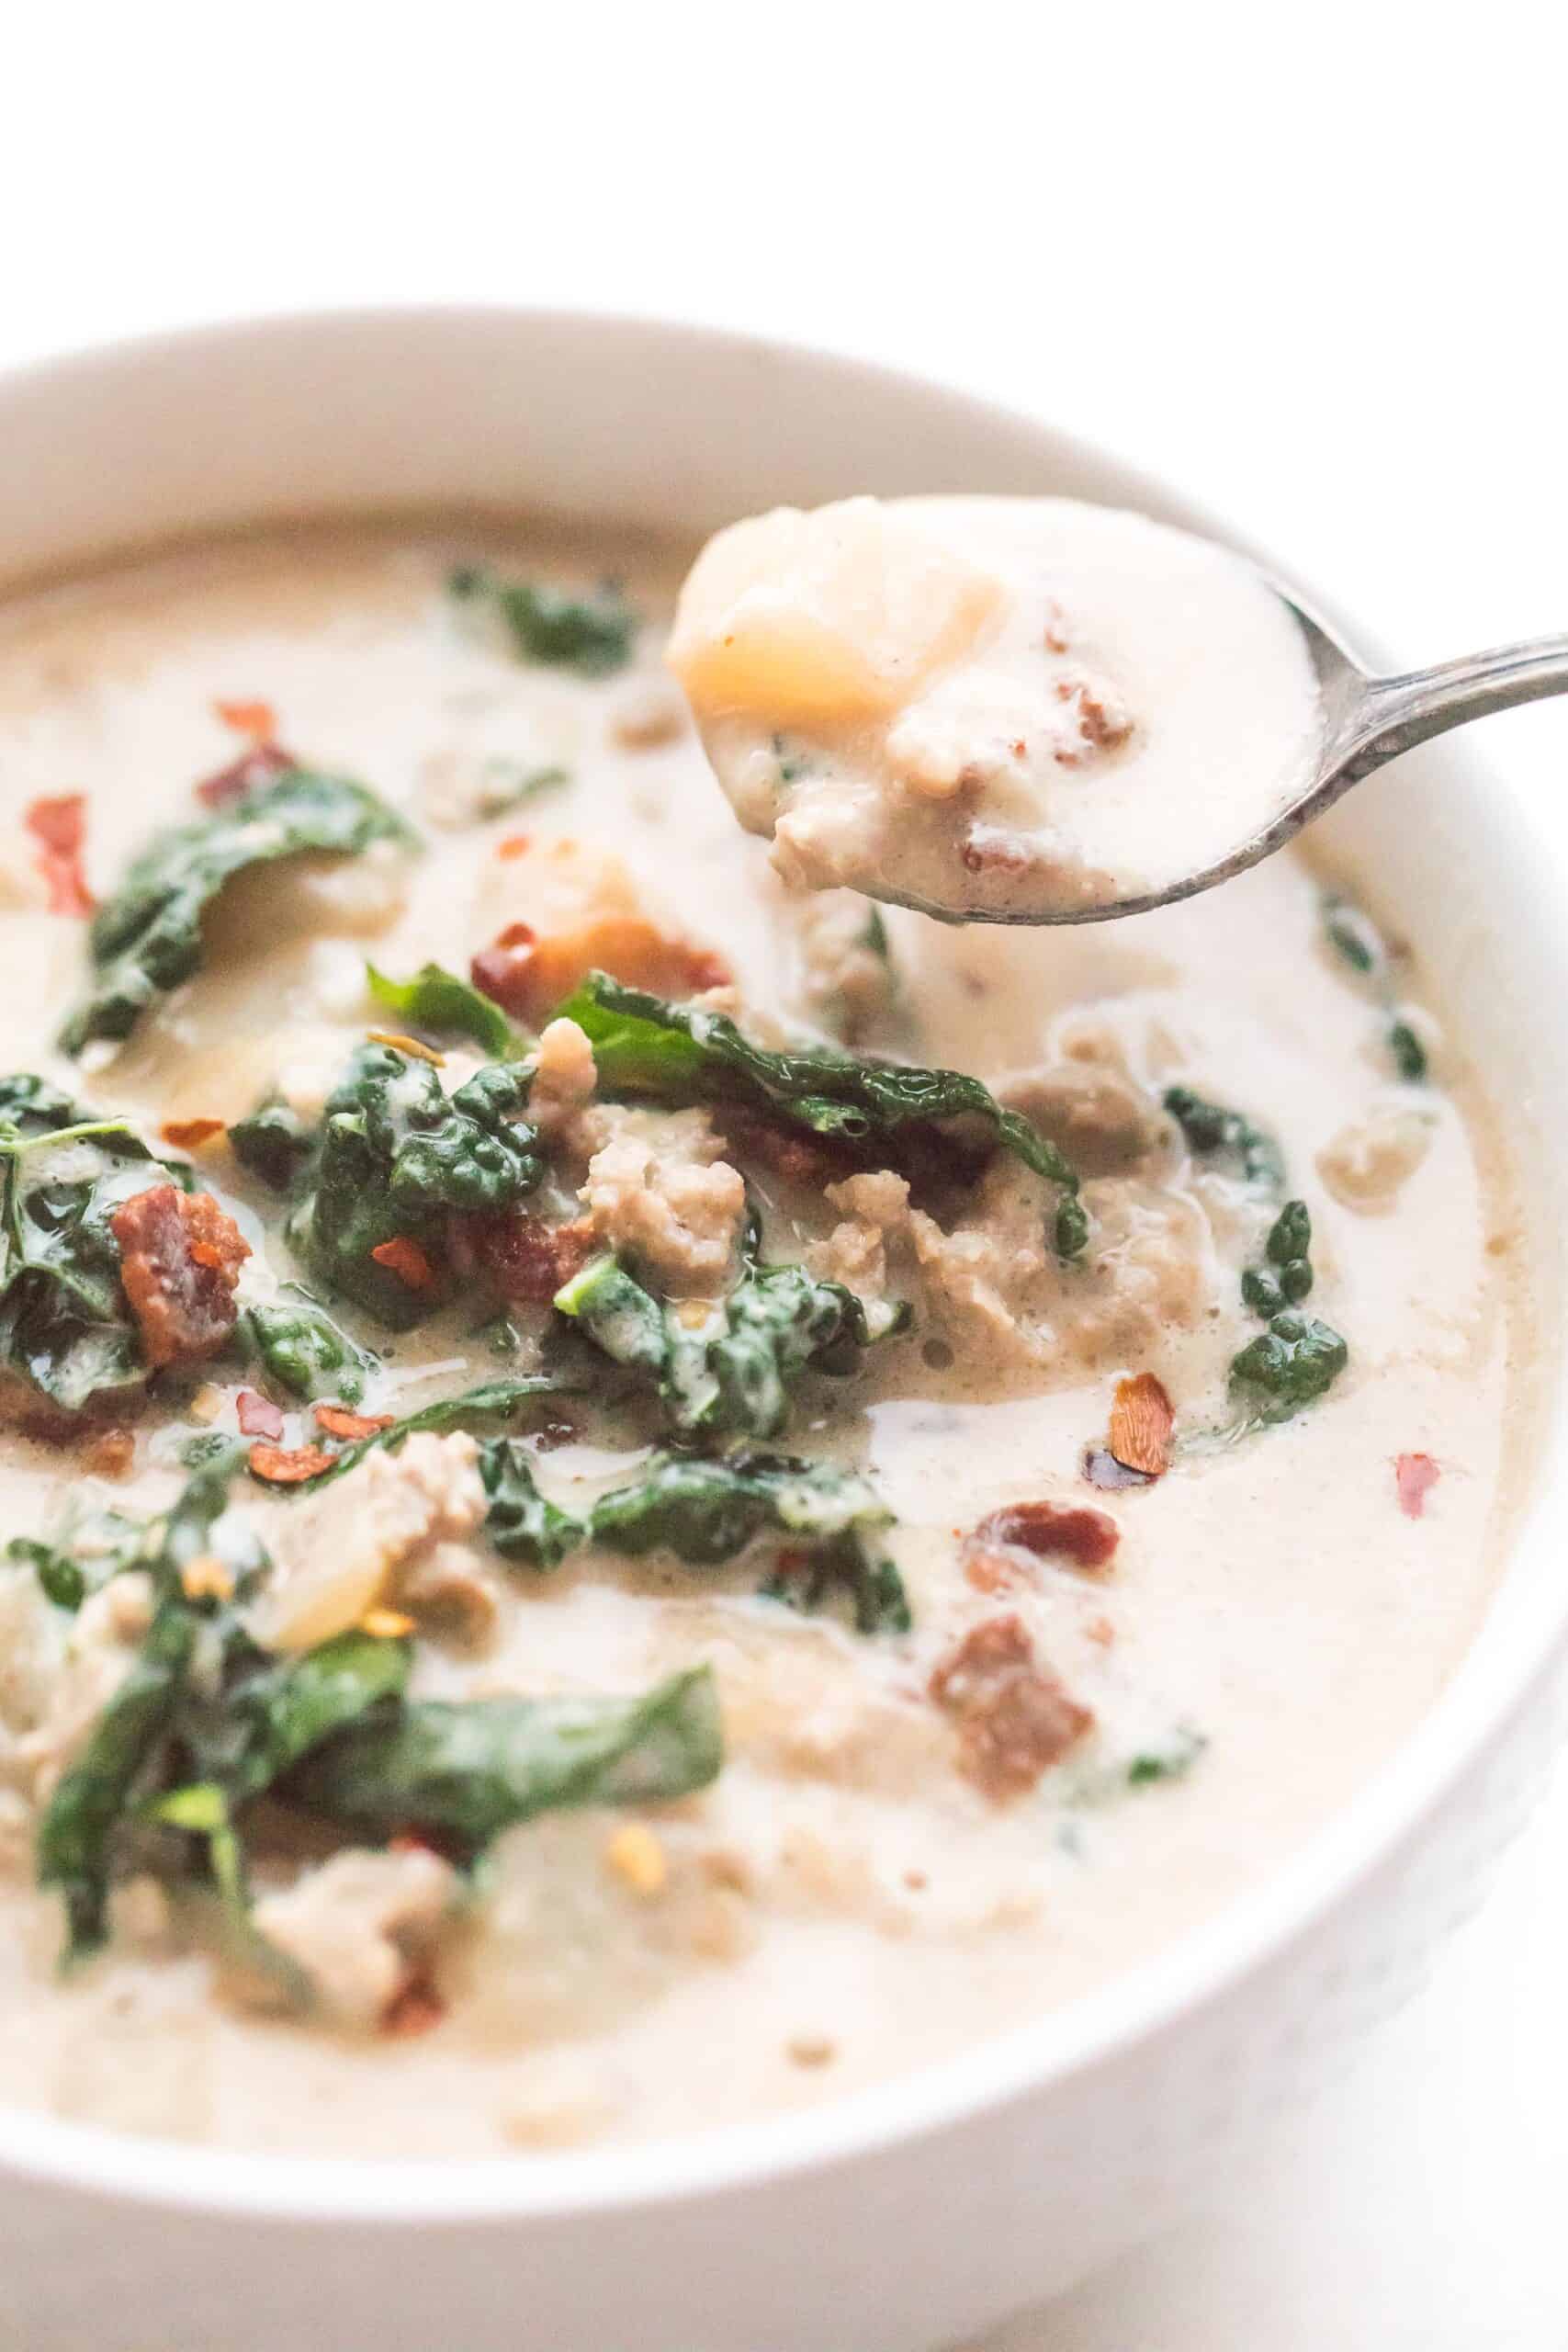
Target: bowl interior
[(674, 430)]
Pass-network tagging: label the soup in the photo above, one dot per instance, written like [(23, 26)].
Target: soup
[(638, 1496)]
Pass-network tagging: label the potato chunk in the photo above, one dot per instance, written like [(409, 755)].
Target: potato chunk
[(837, 615)]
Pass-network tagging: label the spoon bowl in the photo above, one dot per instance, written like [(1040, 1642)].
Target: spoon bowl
[(1367, 721)]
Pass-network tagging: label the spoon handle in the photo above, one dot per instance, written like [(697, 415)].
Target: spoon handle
[(1394, 712)]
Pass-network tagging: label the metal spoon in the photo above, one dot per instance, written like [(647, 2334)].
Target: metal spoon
[(1367, 722)]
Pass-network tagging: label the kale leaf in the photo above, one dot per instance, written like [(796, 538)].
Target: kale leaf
[(273, 1143), (65, 1324), (671, 1053), (465, 1772), (303, 1350), (1288, 1277), (146, 938), (707, 1511), (1214, 1132), (272, 1712), (520, 1522), (393, 1155), (95, 1795), (730, 1373), (1296, 1361), (592, 635), (1355, 939), (437, 1000)]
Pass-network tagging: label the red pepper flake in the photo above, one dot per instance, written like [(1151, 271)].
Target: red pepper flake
[(257, 1415), (338, 1421), (263, 764), (414, 2009), (514, 845), (257, 720), (1070, 1531), (403, 1257), (280, 1467), (1142, 1418), (1101, 1468), (189, 1134), (1414, 1476), (59, 827)]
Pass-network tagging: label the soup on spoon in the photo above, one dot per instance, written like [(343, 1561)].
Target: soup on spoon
[(984, 707)]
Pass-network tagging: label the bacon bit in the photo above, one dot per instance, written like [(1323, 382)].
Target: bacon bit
[(257, 720), (110, 1454), (257, 1415), (1142, 1418), (403, 1257), (526, 1258), (180, 1260), (59, 827), (1414, 1476), (794, 1157), (1014, 1718), (207, 1578), (528, 976), (338, 1421), (402, 1045), (514, 845), (386, 1624), (281, 1467), (189, 1134), (415, 2008), (263, 764), (1101, 1468), (1071, 1531)]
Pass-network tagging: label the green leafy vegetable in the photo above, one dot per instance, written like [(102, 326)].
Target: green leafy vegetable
[(489, 1400), (274, 1143), (464, 1772), (1355, 939), (272, 1711), (670, 1053), (1296, 1361), (707, 1511), (59, 1574), (731, 1374), (146, 938), (394, 1154), (592, 635), (1172, 1762), (520, 1522), (1288, 1277), (87, 1809), (1214, 1132), (437, 1000), (303, 1350), (202, 1808), (65, 1324)]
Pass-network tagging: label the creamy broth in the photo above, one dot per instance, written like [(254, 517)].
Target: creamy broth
[(913, 1841), (993, 705)]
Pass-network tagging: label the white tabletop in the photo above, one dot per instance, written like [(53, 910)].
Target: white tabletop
[(1308, 263)]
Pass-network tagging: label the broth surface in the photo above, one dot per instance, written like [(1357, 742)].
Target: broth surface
[(855, 1893)]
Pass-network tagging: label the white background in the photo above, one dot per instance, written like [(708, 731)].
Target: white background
[(1311, 262)]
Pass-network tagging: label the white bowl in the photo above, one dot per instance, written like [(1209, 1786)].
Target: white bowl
[(906, 2216)]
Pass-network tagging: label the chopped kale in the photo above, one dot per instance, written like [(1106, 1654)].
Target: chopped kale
[(670, 1053), (592, 635), (271, 1712), (303, 1350), (1213, 1132), (394, 1156), (146, 938), (65, 1324), (1172, 1762), (464, 1773), (437, 1000), (1288, 1277), (1296, 1361), (730, 1373), (60, 1577), (274, 1143), (1355, 939), (520, 1522)]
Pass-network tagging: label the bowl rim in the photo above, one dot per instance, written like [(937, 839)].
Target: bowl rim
[(1509, 1659)]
